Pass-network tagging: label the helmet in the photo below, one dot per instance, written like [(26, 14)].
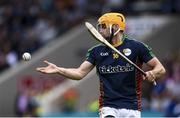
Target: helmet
[(110, 19)]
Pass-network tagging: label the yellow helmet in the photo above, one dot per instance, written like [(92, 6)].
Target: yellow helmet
[(110, 19)]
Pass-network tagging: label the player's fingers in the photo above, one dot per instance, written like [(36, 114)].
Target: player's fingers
[(40, 69), (45, 61), (37, 69), (154, 82), (43, 71), (144, 77), (150, 77)]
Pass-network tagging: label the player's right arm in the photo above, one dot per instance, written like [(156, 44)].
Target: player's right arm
[(71, 73)]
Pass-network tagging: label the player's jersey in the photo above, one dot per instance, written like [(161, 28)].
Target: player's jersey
[(120, 82)]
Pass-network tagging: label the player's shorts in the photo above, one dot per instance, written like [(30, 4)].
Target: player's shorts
[(109, 112)]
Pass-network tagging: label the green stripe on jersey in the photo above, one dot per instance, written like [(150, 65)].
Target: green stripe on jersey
[(89, 51), (150, 49)]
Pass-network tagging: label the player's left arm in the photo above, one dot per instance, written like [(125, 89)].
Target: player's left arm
[(157, 70), (147, 56)]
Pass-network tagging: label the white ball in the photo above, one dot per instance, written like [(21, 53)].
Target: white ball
[(26, 56)]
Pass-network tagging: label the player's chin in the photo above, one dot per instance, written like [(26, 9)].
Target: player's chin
[(105, 36), (108, 39)]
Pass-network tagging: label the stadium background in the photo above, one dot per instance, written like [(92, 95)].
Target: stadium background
[(54, 30)]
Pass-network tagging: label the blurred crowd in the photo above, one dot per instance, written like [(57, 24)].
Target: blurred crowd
[(165, 96), (28, 25)]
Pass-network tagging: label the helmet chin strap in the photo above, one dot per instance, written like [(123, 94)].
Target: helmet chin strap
[(117, 31)]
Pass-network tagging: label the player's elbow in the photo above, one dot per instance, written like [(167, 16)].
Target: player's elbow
[(75, 78), (79, 76)]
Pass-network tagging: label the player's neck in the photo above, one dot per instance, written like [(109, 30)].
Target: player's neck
[(117, 40)]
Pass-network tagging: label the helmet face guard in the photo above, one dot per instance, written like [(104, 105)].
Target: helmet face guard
[(114, 21), (103, 26), (112, 31)]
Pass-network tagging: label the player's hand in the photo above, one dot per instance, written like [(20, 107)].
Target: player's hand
[(49, 69), (150, 76)]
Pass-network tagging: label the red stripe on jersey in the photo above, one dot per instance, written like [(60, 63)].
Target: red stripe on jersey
[(101, 100), (139, 78)]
